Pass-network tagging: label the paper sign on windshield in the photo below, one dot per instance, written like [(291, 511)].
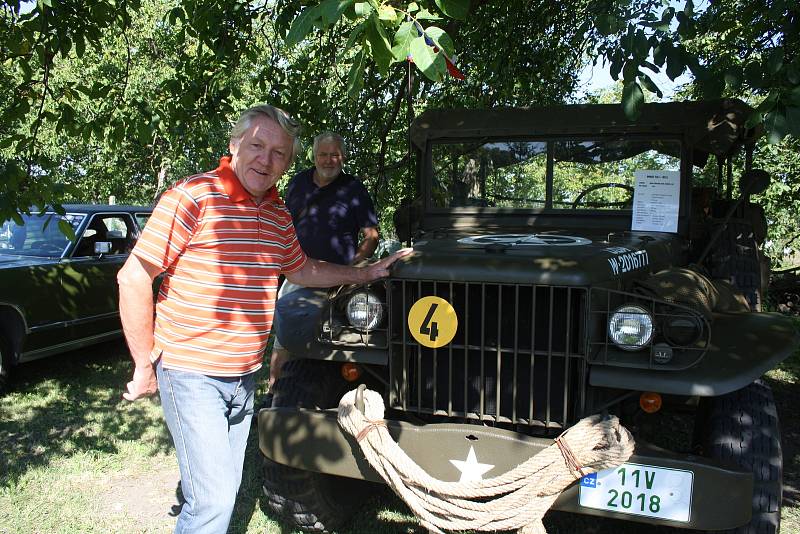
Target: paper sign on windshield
[(656, 201)]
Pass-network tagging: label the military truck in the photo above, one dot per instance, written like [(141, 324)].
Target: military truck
[(567, 261)]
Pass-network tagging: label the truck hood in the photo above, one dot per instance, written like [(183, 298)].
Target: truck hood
[(573, 258)]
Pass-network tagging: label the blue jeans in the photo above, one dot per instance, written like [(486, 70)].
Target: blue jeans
[(209, 419)]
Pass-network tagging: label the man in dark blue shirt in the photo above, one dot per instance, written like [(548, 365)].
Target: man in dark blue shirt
[(329, 208)]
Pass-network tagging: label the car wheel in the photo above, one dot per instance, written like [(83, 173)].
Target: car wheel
[(5, 363), (310, 501), (741, 430)]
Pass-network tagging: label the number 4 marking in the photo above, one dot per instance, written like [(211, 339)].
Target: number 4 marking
[(433, 330)]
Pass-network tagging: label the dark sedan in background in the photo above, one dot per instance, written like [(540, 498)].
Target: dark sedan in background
[(59, 294)]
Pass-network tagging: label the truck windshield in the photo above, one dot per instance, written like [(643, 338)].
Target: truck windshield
[(584, 173)]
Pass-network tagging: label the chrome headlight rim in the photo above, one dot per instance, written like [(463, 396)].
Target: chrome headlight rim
[(631, 313), (372, 312)]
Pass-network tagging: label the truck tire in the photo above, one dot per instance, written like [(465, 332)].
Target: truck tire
[(5, 364), (310, 501), (736, 258), (741, 430)]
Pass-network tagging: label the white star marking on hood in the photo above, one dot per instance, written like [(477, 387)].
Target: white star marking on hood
[(471, 470)]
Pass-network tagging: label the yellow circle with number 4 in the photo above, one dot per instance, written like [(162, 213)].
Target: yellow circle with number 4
[(433, 322)]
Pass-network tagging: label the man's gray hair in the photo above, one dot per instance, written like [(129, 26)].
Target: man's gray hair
[(284, 120), (330, 136)]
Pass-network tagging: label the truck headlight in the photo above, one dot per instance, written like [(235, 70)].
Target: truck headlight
[(364, 310), (630, 327)]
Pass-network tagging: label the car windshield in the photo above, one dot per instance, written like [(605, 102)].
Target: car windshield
[(39, 235), (585, 173)]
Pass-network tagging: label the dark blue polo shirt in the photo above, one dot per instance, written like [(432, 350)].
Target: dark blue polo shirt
[(328, 219)]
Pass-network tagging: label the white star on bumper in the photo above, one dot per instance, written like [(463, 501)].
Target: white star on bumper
[(471, 470)]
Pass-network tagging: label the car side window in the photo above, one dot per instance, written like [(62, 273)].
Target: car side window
[(117, 230), (142, 219)]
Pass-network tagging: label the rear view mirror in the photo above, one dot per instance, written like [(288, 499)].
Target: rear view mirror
[(102, 247)]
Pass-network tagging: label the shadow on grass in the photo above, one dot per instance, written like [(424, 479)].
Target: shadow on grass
[(72, 404)]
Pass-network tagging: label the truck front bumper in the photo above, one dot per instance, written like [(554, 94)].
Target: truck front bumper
[(312, 440)]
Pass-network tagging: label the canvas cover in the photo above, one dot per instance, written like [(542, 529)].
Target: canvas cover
[(712, 127)]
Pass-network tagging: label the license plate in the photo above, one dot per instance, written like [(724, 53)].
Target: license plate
[(640, 490)]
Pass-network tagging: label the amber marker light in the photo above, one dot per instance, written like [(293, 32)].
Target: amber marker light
[(650, 402), (351, 372)]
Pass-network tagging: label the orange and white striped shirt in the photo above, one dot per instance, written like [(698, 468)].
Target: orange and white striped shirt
[(222, 254)]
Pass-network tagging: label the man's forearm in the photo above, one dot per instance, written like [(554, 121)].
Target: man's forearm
[(368, 244), (136, 311), (317, 273), (365, 249)]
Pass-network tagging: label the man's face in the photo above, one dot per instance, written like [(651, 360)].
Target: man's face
[(328, 160), (261, 156)]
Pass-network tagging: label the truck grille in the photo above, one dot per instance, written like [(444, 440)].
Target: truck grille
[(518, 355)]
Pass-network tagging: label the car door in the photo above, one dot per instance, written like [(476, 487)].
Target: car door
[(89, 278)]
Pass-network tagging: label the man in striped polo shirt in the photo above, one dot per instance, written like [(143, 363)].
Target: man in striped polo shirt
[(222, 239)]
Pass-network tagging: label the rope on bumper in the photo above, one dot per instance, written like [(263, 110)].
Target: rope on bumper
[(515, 500)]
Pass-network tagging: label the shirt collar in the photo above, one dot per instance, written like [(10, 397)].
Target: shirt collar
[(234, 188)]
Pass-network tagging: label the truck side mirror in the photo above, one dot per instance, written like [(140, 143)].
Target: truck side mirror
[(406, 219), (753, 182)]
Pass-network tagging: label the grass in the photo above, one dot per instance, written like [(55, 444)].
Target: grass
[(75, 457)]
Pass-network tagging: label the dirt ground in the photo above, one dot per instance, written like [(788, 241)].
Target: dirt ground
[(147, 501)]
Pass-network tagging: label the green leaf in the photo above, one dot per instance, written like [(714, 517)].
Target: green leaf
[(424, 14), (675, 63), (641, 45), (616, 67), (174, 14), (379, 42), (649, 85), (754, 75), (355, 78), (412, 7), (455, 9), (331, 10), (632, 100), (441, 38), (432, 65), (606, 24), (733, 79), (792, 96), (793, 118), (302, 25), (775, 61), (80, 45), (355, 35), (387, 13), (402, 40), (630, 71), (363, 9), (65, 45), (776, 125), (66, 229), (25, 68)]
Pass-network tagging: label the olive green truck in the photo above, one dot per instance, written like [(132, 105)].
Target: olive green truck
[(568, 261)]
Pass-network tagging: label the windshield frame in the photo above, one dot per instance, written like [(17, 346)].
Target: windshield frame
[(442, 217)]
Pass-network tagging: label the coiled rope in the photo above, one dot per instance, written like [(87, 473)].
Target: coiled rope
[(515, 500)]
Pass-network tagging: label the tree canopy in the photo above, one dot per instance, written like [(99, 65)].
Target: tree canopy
[(122, 97)]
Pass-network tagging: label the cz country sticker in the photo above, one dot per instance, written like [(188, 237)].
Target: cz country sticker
[(433, 322)]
